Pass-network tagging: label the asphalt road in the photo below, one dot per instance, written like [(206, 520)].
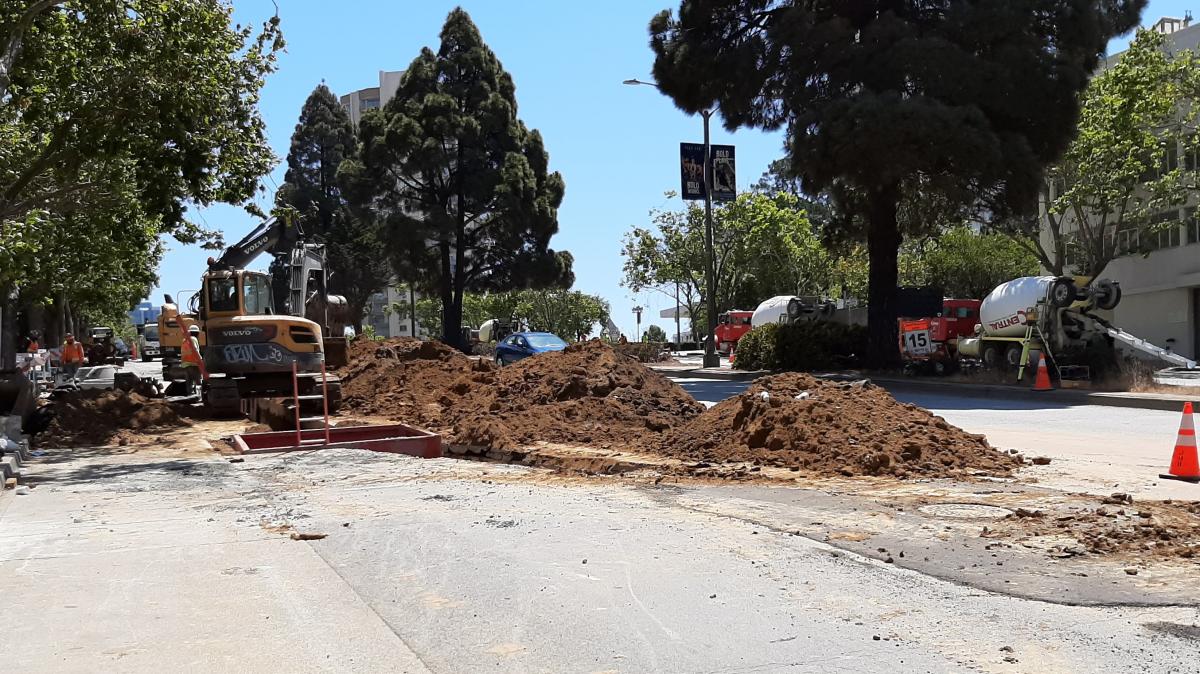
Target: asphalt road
[(1093, 448), (147, 562)]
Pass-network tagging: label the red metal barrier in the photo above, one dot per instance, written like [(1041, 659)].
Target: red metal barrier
[(392, 438)]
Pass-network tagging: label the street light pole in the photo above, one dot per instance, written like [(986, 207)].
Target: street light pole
[(711, 359)]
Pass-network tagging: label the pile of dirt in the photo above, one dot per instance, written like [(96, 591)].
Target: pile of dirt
[(1118, 526), (820, 427), (403, 378), (102, 417), (587, 394)]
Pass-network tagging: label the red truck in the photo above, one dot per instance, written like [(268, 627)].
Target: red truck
[(932, 342), (731, 325)]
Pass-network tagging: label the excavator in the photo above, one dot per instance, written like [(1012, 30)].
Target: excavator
[(249, 346)]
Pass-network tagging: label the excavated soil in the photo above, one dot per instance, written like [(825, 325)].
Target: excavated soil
[(587, 394), (1116, 526), (102, 417), (403, 378), (821, 427)]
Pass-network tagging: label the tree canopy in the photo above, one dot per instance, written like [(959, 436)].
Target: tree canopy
[(115, 115), (323, 139), (462, 186), (1133, 162), (566, 313), (961, 102)]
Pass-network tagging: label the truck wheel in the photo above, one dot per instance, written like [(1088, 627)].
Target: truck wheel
[(991, 357), (1108, 294), (146, 359), (1012, 357), (1062, 293)]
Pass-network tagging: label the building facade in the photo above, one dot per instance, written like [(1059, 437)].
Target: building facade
[(1160, 291)]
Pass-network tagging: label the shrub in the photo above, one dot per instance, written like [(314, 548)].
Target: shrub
[(756, 349), (809, 345)]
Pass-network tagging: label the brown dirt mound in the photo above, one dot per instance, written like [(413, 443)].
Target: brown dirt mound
[(403, 378), (821, 427), (100, 417), (586, 394)]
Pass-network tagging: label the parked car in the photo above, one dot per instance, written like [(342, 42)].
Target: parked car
[(94, 378), (525, 344)]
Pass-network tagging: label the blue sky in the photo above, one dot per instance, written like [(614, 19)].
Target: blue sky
[(616, 146)]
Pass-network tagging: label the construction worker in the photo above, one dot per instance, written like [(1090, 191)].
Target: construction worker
[(193, 363), (72, 356)]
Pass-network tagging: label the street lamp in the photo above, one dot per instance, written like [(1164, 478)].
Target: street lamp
[(711, 359), (638, 312)]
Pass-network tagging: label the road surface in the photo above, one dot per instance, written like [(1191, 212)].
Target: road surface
[(151, 562), (1098, 449)]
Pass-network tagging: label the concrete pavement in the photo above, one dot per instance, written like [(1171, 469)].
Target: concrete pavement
[(145, 562)]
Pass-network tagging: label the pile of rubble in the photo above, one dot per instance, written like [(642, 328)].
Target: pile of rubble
[(103, 417), (818, 427)]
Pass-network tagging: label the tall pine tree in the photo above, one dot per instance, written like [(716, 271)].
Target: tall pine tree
[(461, 185), (929, 103), (323, 139)]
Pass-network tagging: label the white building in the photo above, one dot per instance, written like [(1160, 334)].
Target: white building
[(358, 102), (1161, 291)]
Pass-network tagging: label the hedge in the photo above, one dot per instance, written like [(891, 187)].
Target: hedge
[(804, 346)]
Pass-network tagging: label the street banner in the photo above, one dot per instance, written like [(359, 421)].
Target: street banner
[(691, 172)]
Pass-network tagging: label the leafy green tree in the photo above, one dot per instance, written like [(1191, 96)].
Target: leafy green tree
[(566, 313), (149, 104), (323, 139), (764, 245), (463, 187), (966, 263), (960, 103), (1133, 158), (654, 334)]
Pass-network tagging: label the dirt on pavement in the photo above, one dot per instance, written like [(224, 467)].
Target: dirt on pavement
[(587, 394), (821, 427), (102, 417)]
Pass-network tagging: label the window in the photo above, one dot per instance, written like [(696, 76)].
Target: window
[(256, 294), (222, 294), (151, 333), (1192, 224), (1163, 231), (964, 312), (544, 341), (370, 103)]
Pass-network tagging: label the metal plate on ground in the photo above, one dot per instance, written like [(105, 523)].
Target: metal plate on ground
[(965, 511)]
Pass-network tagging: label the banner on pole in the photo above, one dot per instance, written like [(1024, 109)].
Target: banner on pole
[(691, 172)]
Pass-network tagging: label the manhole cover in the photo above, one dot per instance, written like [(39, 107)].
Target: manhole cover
[(966, 511)]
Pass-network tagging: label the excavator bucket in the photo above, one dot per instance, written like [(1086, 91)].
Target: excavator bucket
[(336, 352)]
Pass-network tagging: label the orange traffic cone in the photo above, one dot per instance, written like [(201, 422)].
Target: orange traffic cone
[(732, 356), (1184, 464), (1042, 381)]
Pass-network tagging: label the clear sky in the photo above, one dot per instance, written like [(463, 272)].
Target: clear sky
[(616, 146)]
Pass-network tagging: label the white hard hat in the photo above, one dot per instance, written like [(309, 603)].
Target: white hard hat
[(194, 330)]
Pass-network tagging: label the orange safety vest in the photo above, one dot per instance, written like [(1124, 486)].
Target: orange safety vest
[(72, 353), (190, 355)]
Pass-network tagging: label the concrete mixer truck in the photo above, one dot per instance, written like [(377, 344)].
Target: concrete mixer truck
[(1052, 315)]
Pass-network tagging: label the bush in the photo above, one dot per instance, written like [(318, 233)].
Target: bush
[(810, 345)]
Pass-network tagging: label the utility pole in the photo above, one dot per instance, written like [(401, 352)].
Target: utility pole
[(638, 312), (677, 331), (711, 358)]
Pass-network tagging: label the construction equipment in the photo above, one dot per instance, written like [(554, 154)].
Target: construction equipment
[(103, 351), (249, 348), (731, 327), (792, 309)]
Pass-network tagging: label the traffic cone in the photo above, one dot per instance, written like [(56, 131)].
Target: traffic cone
[(1042, 381), (732, 356), (1184, 464)]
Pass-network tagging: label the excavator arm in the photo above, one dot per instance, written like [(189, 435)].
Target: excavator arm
[(276, 235)]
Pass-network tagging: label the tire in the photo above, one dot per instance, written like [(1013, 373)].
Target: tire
[(499, 361), (1108, 294), (991, 357), (147, 359), (1012, 357), (941, 368), (1062, 293)]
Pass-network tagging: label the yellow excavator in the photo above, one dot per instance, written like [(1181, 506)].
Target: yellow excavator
[(249, 345)]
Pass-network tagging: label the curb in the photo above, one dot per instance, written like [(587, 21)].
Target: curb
[(1144, 401)]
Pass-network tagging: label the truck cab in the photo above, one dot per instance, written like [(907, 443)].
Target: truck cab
[(731, 326)]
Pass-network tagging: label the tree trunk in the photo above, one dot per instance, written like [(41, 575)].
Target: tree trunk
[(8, 330), (883, 245), (446, 291)]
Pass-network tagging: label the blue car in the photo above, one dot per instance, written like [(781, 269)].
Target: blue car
[(525, 344)]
